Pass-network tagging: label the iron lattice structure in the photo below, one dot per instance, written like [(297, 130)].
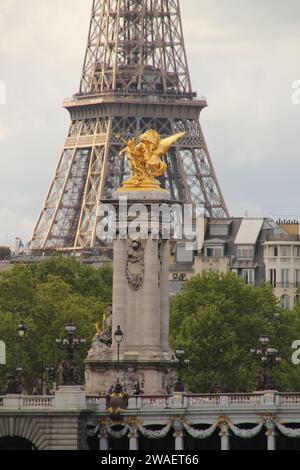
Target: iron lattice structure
[(135, 77)]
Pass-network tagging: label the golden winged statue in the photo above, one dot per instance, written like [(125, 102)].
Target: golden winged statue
[(145, 160)]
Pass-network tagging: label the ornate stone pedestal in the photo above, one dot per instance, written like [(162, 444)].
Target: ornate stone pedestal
[(70, 397), (140, 308)]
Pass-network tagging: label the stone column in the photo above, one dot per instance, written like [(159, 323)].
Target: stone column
[(164, 296), (133, 442), (133, 435), (103, 439), (179, 441), (119, 291), (178, 435), (271, 439), (151, 298), (270, 424), (224, 435)]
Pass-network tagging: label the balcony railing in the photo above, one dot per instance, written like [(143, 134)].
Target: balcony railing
[(286, 285), (284, 237)]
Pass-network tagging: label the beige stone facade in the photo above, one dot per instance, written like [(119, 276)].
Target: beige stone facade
[(282, 264), (141, 309)]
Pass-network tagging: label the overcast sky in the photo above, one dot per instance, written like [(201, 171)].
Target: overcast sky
[(244, 56)]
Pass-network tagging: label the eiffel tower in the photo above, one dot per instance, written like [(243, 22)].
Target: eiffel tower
[(135, 77)]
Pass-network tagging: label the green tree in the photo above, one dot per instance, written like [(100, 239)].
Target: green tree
[(217, 318), (17, 290), (288, 375), (82, 278), (46, 296)]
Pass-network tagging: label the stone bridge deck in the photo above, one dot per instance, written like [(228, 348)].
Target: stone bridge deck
[(65, 420)]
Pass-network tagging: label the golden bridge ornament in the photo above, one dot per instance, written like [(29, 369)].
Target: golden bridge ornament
[(145, 160)]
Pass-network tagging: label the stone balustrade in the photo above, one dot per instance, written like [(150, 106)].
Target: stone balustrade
[(205, 401), (22, 402), (152, 403)]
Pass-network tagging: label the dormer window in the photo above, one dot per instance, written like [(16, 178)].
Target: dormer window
[(184, 253), (219, 230), (214, 251)]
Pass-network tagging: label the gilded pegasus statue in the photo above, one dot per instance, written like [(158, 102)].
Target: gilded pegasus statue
[(145, 159)]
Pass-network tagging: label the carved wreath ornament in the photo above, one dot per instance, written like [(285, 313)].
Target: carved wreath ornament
[(135, 265)]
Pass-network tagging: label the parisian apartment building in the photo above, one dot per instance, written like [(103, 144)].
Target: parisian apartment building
[(256, 249)]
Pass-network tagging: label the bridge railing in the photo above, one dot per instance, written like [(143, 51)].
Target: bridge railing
[(22, 402), (258, 400), (192, 402)]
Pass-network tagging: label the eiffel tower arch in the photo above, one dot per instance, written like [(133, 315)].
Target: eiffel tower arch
[(135, 77)]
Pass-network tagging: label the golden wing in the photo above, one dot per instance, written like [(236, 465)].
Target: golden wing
[(165, 144)]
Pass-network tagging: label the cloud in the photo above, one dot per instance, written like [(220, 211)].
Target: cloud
[(243, 57)]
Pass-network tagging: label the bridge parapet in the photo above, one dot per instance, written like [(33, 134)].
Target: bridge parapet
[(23, 402), (75, 399), (251, 401), (66, 398)]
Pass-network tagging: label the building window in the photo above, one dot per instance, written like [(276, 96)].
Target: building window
[(245, 252), (297, 278), (285, 251), (249, 276), (285, 277), (285, 302), (273, 277), (184, 253), (214, 251), (218, 230), (273, 251), (296, 252)]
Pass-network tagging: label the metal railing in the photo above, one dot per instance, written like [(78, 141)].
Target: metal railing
[(160, 98)]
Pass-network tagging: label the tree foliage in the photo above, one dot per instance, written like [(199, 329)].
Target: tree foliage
[(218, 319), (45, 296)]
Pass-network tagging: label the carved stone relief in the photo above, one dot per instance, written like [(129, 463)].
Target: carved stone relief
[(135, 265)]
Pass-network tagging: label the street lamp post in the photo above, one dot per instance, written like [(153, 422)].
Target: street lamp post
[(21, 332), (137, 388), (14, 382), (268, 356), (180, 360), (119, 335), (69, 345)]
